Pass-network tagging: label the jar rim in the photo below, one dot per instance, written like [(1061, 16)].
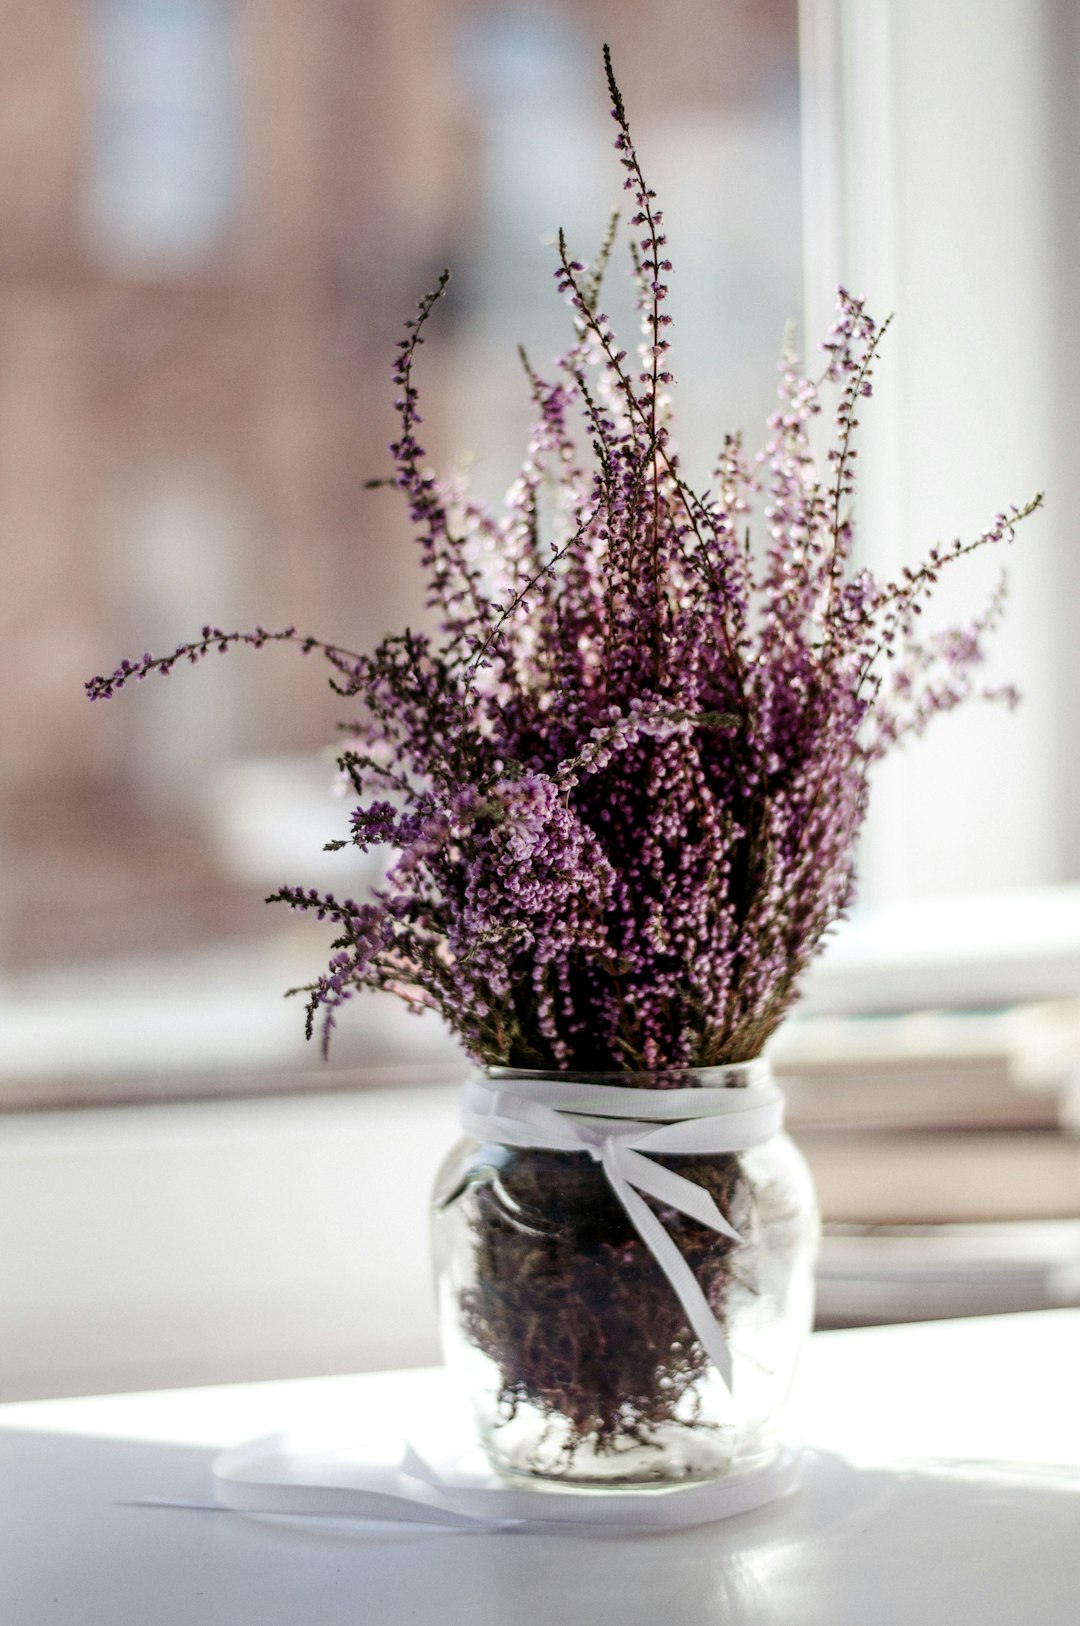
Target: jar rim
[(729, 1075)]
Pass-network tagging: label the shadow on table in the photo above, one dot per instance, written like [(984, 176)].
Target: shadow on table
[(941, 1543)]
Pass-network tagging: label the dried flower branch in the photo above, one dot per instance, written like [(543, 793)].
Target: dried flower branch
[(627, 772)]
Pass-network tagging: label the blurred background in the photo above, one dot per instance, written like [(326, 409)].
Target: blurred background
[(216, 216)]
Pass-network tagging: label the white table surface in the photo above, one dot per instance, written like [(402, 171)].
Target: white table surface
[(942, 1488)]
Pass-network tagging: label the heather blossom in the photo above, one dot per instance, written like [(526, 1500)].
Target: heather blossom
[(620, 785)]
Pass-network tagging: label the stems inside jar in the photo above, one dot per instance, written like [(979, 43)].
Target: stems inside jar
[(573, 1308)]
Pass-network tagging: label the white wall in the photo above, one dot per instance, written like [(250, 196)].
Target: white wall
[(202, 1242)]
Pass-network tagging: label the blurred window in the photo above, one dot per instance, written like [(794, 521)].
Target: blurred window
[(164, 160)]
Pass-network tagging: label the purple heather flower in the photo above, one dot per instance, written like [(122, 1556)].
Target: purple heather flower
[(621, 785)]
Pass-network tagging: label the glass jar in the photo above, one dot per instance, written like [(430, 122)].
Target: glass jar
[(569, 1337)]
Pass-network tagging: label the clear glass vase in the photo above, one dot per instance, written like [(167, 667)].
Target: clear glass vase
[(571, 1341)]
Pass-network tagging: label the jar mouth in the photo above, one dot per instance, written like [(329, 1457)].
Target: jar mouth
[(737, 1075)]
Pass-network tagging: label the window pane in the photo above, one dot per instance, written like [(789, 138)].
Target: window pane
[(163, 159)]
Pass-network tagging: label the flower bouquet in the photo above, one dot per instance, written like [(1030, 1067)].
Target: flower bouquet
[(619, 780)]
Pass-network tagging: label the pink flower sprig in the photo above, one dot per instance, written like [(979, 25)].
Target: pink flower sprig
[(213, 640)]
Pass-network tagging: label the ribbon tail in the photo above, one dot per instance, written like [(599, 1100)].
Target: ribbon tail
[(673, 1189), (240, 1487), (675, 1268)]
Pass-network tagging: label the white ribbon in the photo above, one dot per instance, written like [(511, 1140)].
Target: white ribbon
[(413, 1492), (617, 1127)]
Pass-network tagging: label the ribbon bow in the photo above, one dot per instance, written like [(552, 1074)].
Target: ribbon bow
[(619, 1127)]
